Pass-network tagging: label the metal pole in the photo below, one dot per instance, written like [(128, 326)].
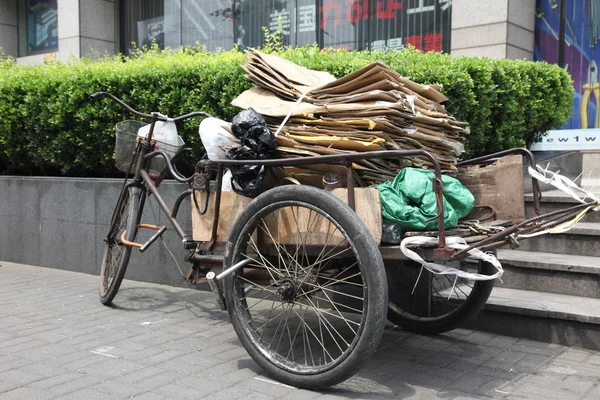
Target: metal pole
[(561, 33)]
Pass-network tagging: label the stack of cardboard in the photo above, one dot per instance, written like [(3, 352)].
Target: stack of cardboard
[(371, 109)]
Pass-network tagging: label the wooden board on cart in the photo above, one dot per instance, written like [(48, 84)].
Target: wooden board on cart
[(368, 208), (499, 185)]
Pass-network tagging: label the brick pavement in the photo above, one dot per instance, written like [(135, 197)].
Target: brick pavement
[(58, 342)]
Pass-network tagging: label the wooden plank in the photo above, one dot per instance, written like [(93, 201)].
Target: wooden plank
[(232, 205), (287, 224)]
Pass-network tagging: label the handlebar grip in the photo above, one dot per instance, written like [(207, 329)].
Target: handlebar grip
[(97, 95)]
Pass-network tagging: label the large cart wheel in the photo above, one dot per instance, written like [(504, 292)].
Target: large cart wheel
[(423, 302), (310, 309), (116, 255)]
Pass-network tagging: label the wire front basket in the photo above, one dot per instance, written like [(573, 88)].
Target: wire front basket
[(126, 143)]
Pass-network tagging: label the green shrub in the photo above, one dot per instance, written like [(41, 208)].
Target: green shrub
[(47, 125)]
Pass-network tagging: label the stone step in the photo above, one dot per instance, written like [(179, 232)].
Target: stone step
[(549, 272), (556, 200), (582, 240), (546, 317)]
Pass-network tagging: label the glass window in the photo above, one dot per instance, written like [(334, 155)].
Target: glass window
[(204, 22), (349, 24), (38, 27), (142, 23)]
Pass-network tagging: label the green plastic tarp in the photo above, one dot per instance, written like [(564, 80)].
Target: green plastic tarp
[(409, 200)]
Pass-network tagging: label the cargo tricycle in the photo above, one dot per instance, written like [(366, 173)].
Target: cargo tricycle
[(303, 272)]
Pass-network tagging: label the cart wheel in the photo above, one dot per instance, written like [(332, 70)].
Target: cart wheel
[(432, 303), (310, 309)]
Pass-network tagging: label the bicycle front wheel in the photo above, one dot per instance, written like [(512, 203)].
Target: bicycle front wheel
[(116, 254), (310, 307)]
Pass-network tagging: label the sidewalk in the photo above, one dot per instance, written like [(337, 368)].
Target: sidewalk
[(58, 342)]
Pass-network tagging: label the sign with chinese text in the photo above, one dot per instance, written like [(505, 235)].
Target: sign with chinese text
[(348, 24)]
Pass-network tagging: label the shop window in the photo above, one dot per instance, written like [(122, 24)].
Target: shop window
[(38, 27)]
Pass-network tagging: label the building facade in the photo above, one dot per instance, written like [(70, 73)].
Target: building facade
[(38, 30), (34, 31)]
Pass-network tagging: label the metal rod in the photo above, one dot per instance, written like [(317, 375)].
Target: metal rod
[(562, 32), (350, 186), (439, 197), (508, 231), (215, 227), (208, 258), (153, 239), (178, 202), (210, 278), (101, 95), (178, 177), (150, 186), (234, 268)]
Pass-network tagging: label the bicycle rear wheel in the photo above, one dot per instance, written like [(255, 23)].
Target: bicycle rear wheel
[(310, 308), (116, 254), (423, 302)]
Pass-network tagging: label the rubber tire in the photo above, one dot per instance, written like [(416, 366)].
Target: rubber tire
[(374, 277), (133, 214), (472, 305)]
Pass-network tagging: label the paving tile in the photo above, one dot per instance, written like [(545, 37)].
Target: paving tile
[(163, 342)]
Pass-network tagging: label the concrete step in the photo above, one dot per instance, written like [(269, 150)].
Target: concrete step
[(547, 317), (552, 273), (556, 200), (582, 240)]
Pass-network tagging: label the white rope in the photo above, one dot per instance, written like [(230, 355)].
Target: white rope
[(569, 187), (564, 184), (457, 243), (289, 114)]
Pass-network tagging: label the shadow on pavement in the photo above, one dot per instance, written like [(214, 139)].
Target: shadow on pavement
[(199, 303)]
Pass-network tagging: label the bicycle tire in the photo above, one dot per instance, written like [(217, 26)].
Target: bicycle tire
[(311, 288), (116, 255), (416, 305)]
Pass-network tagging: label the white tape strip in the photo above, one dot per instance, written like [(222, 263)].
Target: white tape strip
[(457, 243)]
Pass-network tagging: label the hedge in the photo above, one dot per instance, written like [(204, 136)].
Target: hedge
[(47, 125)]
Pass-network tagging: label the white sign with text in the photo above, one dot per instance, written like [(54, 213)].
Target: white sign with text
[(569, 139)]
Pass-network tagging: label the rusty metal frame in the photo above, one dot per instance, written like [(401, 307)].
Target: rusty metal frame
[(345, 159)]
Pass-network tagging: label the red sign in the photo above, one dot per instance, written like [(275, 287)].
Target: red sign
[(357, 10)]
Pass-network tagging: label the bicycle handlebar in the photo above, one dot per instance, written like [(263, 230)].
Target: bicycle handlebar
[(156, 116)]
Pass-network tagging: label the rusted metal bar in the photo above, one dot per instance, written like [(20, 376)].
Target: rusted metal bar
[(343, 158), (178, 177), (213, 235), (150, 186), (350, 185), (177, 204), (515, 228), (439, 196)]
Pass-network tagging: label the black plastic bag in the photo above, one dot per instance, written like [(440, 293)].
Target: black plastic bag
[(258, 143), (247, 180), (252, 129)]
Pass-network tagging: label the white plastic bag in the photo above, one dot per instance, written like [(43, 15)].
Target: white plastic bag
[(217, 138), (226, 185), (165, 132)]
